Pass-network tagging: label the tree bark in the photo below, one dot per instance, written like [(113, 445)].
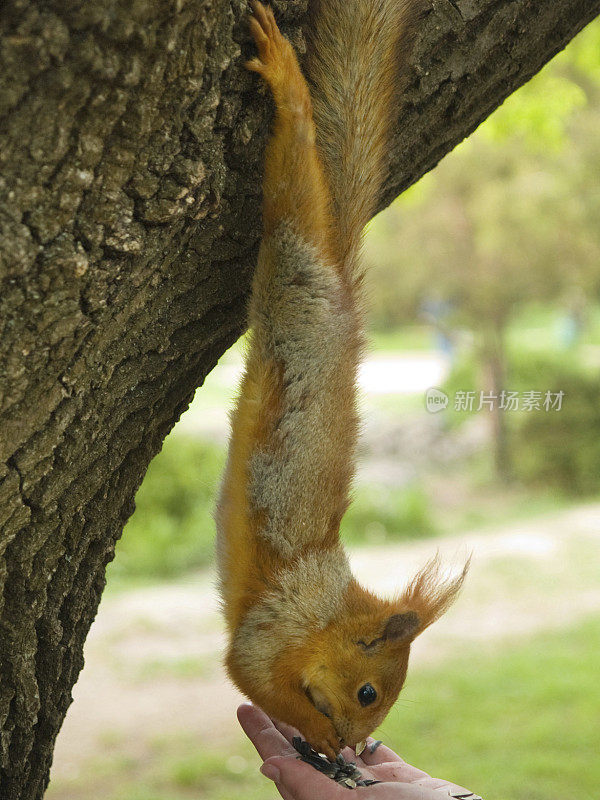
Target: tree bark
[(131, 142)]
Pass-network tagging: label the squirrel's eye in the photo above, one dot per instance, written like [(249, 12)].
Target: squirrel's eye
[(367, 695)]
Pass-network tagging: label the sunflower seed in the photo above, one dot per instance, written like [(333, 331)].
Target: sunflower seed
[(360, 747), (343, 772), (317, 763), (374, 746)]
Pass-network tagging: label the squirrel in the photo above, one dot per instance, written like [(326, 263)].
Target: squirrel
[(307, 642)]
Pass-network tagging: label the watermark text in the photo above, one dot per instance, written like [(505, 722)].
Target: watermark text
[(533, 400)]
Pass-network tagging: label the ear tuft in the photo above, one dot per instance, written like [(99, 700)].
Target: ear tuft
[(401, 626), (431, 592)]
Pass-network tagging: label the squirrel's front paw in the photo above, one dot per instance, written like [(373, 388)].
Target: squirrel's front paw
[(322, 736), (274, 50)]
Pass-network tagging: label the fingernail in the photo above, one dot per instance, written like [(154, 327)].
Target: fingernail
[(270, 771)]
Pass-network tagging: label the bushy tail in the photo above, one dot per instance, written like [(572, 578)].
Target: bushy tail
[(356, 53)]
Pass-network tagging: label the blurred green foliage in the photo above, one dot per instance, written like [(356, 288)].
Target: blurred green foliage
[(172, 529), (538, 113), (528, 370), (559, 449), (541, 111), (382, 514), (512, 215), (562, 449)]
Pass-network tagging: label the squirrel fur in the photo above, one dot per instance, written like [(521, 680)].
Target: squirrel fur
[(304, 637)]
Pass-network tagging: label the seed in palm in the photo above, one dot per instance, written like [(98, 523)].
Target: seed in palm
[(341, 771)]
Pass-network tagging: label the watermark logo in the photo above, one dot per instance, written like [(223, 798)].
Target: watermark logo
[(435, 400)]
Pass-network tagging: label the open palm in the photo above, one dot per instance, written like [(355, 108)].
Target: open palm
[(296, 780)]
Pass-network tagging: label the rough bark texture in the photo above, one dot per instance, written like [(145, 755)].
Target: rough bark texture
[(131, 142)]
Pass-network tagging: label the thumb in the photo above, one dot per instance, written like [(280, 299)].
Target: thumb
[(297, 780)]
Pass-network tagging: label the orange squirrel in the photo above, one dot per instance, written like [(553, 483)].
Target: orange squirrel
[(307, 643)]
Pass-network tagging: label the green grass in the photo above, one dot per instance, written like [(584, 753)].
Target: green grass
[(512, 721), (519, 723), (183, 668), (469, 497)]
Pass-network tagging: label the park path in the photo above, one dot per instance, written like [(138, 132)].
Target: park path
[(153, 654)]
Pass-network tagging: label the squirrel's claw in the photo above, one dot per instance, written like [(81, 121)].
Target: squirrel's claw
[(273, 48), (264, 16), (329, 749), (323, 737)]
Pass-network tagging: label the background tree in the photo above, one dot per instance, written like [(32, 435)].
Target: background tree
[(130, 163), (528, 230)]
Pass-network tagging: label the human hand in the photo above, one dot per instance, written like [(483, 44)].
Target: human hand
[(296, 780)]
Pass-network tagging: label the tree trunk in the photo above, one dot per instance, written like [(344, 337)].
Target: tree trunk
[(494, 358), (131, 141)]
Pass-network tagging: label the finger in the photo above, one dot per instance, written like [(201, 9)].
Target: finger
[(445, 786), (300, 781), (272, 773), (262, 733), (400, 791), (397, 772), (286, 730)]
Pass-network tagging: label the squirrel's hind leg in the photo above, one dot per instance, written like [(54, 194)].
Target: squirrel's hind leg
[(294, 188)]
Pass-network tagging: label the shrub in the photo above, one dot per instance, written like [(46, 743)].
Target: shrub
[(380, 514), (562, 448), (554, 448), (172, 529)]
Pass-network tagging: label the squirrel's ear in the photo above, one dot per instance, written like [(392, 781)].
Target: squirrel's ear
[(398, 629), (401, 627), (430, 593)]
